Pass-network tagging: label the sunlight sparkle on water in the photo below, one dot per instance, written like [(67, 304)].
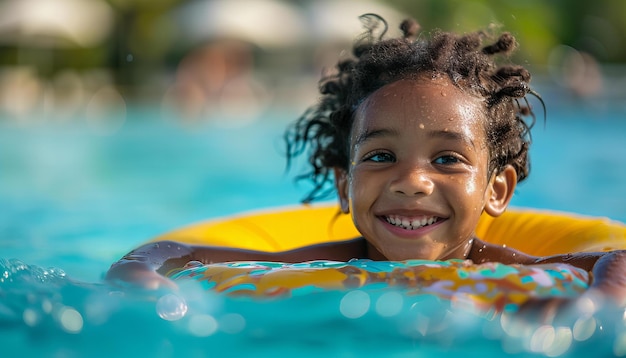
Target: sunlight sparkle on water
[(171, 307), (71, 320), (389, 304), (202, 325), (354, 304)]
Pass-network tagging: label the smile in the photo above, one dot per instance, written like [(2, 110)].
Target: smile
[(411, 223)]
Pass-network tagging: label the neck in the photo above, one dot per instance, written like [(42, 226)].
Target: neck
[(373, 253), (460, 251)]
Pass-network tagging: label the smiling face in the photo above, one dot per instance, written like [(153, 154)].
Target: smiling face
[(418, 179)]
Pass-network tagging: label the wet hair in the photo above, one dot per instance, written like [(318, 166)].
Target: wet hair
[(323, 131)]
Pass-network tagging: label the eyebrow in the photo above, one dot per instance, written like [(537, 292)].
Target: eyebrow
[(457, 136), (374, 133), (447, 135)]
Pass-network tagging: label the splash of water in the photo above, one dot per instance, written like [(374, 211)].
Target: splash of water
[(45, 313)]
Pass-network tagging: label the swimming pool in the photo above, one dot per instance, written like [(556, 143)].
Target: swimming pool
[(75, 199)]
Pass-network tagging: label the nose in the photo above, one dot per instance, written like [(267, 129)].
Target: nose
[(412, 181)]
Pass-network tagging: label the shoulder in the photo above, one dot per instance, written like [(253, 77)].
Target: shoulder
[(482, 251), (337, 251)]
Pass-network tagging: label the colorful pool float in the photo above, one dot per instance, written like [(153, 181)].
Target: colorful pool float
[(489, 287)]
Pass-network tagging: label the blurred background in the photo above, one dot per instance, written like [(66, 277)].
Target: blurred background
[(123, 119), (72, 59)]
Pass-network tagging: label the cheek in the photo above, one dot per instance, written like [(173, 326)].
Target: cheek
[(477, 187), (471, 186), (477, 179), (354, 187), (360, 187), (468, 184)]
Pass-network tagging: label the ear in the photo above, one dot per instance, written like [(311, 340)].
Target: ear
[(341, 184), (502, 188)]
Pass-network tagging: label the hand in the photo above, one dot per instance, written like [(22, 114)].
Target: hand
[(609, 277), (546, 311), (563, 311), (140, 275)]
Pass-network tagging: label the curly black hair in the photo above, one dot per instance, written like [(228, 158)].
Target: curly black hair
[(323, 131)]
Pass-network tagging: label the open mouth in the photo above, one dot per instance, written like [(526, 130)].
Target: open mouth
[(411, 223)]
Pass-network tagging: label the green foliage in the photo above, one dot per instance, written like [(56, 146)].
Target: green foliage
[(596, 27)]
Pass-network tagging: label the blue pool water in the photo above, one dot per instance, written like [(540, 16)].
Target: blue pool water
[(74, 199)]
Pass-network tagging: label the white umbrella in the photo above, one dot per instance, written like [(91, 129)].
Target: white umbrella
[(266, 23), (54, 23), (338, 20)]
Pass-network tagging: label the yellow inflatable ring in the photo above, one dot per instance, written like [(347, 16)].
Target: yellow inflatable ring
[(489, 287), (287, 228)]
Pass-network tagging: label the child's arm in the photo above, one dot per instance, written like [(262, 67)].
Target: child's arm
[(148, 265), (608, 269), (609, 276)]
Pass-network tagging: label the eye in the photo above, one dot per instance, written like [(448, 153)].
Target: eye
[(447, 159), (380, 158)]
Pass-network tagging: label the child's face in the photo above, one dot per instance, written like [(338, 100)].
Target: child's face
[(418, 180)]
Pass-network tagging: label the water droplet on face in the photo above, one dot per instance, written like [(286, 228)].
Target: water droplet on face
[(171, 307), (421, 125)]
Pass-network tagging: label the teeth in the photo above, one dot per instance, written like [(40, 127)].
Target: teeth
[(410, 224)]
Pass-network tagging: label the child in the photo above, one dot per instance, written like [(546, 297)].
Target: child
[(421, 136)]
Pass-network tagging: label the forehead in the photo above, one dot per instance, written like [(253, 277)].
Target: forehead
[(424, 101)]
